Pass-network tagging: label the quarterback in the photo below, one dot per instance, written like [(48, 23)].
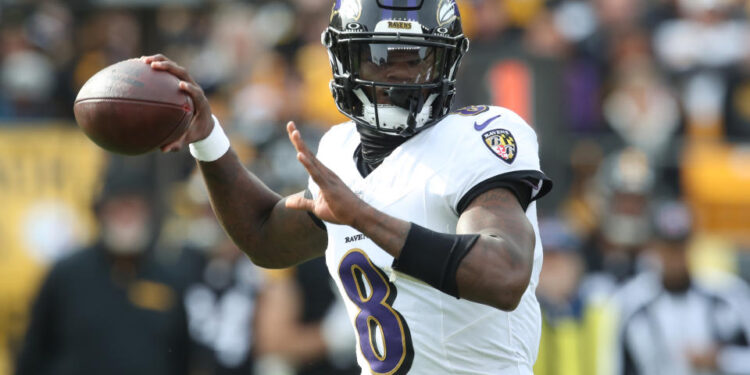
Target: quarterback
[(426, 217)]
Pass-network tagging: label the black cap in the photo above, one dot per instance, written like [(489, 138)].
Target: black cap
[(131, 176)]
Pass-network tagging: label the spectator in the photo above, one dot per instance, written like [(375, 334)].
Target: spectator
[(112, 308), (625, 182)]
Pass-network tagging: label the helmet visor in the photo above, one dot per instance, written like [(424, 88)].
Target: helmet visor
[(397, 63)]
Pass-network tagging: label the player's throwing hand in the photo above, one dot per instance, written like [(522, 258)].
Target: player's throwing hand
[(201, 124)]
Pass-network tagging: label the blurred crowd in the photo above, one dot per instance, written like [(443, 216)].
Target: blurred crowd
[(642, 108)]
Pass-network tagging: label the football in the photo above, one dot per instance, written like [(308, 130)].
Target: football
[(129, 108)]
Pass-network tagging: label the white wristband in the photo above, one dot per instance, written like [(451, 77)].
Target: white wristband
[(212, 147)]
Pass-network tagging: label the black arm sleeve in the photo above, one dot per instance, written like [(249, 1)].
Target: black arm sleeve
[(434, 257)]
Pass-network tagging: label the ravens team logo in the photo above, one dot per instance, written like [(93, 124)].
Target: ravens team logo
[(502, 144)]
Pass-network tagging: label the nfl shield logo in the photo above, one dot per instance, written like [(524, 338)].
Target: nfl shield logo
[(502, 144)]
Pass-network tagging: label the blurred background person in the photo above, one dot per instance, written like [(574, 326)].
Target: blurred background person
[(303, 327), (577, 324), (112, 308), (221, 286), (624, 182), (676, 323)]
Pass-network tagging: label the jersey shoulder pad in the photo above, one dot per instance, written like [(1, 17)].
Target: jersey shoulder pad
[(490, 130), (488, 142)]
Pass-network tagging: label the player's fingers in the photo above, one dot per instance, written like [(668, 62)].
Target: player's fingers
[(299, 202), (175, 145), (299, 144), (152, 58), (317, 170), (323, 177), (195, 91), (309, 167), (173, 68), (290, 129)]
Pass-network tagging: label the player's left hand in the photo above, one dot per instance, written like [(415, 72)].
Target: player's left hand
[(336, 203)]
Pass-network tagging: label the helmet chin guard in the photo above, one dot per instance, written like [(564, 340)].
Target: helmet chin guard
[(394, 66), (394, 118)]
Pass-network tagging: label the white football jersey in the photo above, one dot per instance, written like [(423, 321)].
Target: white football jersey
[(402, 324)]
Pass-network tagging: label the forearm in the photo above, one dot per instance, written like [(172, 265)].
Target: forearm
[(255, 217), (242, 203), (386, 231)]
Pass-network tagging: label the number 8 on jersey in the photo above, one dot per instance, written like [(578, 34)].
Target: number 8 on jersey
[(368, 287)]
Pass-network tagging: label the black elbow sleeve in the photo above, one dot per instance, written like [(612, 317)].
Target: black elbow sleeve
[(434, 257)]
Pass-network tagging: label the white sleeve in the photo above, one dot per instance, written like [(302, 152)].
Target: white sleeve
[(499, 146)]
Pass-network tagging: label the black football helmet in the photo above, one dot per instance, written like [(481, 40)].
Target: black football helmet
[(394, 62)]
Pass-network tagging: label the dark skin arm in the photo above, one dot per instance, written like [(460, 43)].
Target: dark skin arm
[(277, 232), (255, 217)]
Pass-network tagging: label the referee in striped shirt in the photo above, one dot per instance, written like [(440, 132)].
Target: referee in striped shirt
[(672, 323)]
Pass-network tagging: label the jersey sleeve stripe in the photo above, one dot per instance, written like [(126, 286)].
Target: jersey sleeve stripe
[(526, 185)]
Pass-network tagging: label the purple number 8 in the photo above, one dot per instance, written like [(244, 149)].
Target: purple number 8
[(368, 287)]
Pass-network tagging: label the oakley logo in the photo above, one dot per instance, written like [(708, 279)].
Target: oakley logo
[(483, 125)]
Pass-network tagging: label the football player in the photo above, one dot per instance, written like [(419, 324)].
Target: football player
[(426, 218)]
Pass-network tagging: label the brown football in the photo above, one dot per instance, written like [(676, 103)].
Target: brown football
[(131, 109)]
